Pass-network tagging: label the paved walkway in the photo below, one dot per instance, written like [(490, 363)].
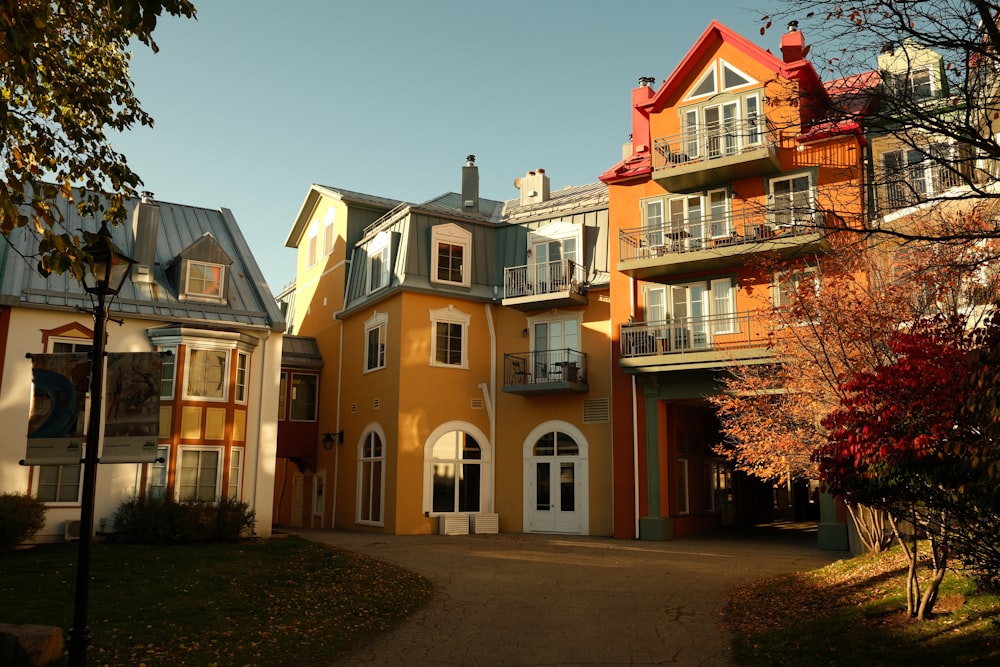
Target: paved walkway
[(550, 600)]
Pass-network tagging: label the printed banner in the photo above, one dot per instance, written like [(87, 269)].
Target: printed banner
[(58, 401), (131, 407)]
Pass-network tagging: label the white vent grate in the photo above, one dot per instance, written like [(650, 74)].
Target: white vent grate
[(477, 404), (453, 524), (484, 523), (596, 411)]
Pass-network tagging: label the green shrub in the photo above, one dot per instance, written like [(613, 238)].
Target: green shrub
[(21, 516), (165, 521)]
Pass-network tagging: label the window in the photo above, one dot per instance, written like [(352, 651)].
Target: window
[(554, 257), (235, 473), (450, 248), (556, 350), (328, 231), (282, 390), (913, 175), (691, 220), (449, 331), (456, 473), (792, 200), (682, 487), (312, 241), (371, 482), (652, 222), (242, 370), (378, 263), (723, 306), (206, 373), (304, 395), (722, 128), (200, 474), (375, 336), (204, 279), (58, 484), (156, 483), (69, 347), (168, 373), (319, 489), (916, 85), (788, 284), (688, 316)]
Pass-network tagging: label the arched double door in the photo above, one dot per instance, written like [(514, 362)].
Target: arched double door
[(555, 481)]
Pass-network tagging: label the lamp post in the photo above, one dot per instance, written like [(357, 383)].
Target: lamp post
[(108, 273)]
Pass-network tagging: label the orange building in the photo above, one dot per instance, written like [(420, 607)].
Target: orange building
[(466, 373), (734, 174)]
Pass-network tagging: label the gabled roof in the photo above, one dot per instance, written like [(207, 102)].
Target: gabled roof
[(300, 352), (709, 41), (350, 197), (250, 302)]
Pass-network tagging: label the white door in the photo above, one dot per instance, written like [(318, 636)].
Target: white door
[(689, 316), (555, 485)]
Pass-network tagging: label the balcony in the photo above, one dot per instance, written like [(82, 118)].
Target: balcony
[(718, 153), (546, 285), (545, 372), (716, 244), (691, 343), (918, 183)]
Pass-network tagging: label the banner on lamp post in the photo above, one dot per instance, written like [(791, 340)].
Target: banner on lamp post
[(58, 401), (131, 407)]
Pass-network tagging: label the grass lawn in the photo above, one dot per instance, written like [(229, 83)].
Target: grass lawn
[(853, 613), (258, 602)]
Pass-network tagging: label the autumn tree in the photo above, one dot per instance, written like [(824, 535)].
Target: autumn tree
[(921, 76), (65, 84)]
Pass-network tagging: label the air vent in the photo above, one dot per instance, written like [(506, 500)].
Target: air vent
[(596, 411), (354, 408), (375, 404), (477, 404), (453, 524)]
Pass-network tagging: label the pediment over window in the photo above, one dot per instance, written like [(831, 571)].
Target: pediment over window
[(200, 272)]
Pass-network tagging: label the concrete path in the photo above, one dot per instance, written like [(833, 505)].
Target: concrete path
[(550, 600)]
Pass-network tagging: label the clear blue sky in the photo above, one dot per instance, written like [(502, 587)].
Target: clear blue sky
[(256, 100)]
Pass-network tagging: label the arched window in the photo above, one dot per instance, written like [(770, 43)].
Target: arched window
[(371, 479), (456, 469)]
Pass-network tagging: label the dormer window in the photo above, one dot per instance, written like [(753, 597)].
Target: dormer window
[(450, 251), (204, 280), (378, 264)]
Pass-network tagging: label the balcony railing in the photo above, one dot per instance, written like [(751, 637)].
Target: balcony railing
[(712, 142), (562, 275), (736, 331), (735, 229), (917, 183), (545, 367)]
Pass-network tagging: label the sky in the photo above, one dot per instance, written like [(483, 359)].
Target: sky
[(256, 100)]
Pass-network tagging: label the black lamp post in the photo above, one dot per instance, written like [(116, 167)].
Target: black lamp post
[(110, 269)]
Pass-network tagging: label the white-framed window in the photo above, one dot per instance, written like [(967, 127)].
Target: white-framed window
[(58, 483), (554, 256), (917, 84), (449, 336), (788, 283), (691, 220), (456, 473), (282, 395), (376, 330), (206, 373), (378, 263), (168, 372), (329, 231), (555, 348), (791, 200), (723, 127), (305, 392), (688, 316), (70, 346), (683, 506), (242, 376), (235, 473), (719, 76), (156, 480), (312, 243), (371, 479), (451, 250), (204, 280), (723, 309), (913, 175), (199, 473)]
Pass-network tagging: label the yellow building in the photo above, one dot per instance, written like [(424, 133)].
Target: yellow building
[(466, 367)]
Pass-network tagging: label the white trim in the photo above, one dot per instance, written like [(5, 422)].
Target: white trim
[(225, 374), (527, 455), (178, 467), (486, 451), (449, 315), (189, 293), (378, 321), (239, 472), (453, 235), (380, 248)]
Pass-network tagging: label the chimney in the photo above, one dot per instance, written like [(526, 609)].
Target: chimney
[(793, 44), (145, 225), (470, 185), (534, 187)]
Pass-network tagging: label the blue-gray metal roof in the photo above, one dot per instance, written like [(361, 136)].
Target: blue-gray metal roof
[(250, 301)]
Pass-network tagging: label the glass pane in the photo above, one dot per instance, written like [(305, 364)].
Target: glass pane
[(376, 491), (567, 487), (444, 487), (542, 492), (366, 491), (468, 487), (470, 448), (545, 445), (446, 448), (566, 446)]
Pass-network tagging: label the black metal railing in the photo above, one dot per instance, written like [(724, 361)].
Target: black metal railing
[(735, 331), (545, 366), (544, 278), (713, 141)]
